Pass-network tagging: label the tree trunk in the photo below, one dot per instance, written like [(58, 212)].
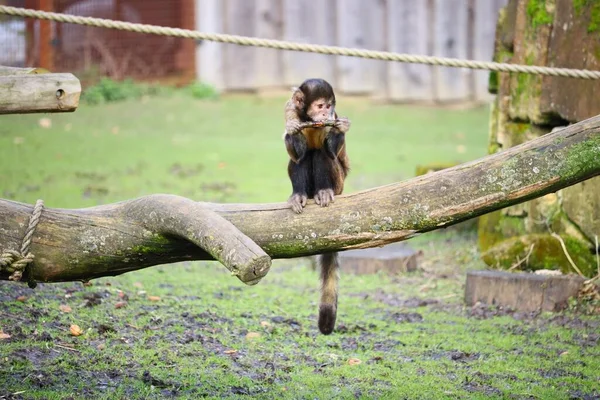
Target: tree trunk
[(116, 238)]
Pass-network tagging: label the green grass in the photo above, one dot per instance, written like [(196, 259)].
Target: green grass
[(193, 342), (212, 150)]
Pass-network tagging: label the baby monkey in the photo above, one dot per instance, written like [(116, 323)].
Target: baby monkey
[(318, 162), (317, 169)]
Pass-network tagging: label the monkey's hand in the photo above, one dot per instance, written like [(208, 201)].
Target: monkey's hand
[(324, 196), (292, 127), (343, 124), (297, 201)]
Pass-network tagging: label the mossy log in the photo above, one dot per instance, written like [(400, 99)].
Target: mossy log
[(112, 239)]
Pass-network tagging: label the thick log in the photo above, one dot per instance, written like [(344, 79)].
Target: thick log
[(112, 239), (29, 90)]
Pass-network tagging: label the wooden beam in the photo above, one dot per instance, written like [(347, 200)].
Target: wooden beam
[(32, 90)]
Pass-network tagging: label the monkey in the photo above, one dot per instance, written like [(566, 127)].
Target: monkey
[(317, 169)]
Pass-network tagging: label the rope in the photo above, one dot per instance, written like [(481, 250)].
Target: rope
[(15, 262), (295, 46)]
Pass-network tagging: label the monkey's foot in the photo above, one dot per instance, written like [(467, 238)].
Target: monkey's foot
[(297, 201), (324, 196)]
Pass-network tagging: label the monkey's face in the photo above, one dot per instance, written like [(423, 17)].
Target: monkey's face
[(321, 109)]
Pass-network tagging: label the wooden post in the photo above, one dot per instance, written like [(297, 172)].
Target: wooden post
[(185, 58), (45, 39)]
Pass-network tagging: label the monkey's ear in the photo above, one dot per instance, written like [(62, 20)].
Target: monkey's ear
[(298, 98)]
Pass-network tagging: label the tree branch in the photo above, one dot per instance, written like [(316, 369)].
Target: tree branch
[(116, 238)]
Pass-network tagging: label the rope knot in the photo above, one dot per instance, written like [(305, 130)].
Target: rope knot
[(15, 263)]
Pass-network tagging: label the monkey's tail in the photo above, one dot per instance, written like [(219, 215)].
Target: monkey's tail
[(329, 292)]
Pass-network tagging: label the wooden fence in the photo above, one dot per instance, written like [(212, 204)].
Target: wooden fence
[(449, 28)]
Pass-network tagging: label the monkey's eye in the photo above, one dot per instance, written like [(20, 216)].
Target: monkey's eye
[(320, 105), (328, 106)]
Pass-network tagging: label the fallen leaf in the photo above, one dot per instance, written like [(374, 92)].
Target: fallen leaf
[(87, 283), (230, 351), (4, 335), (121, 294), (45, 122), (75, 330), (65, 308), (265, 324), (221, 165), (354, 361), (22, 298), (120, 304), (252, 335), (461, 148), (138, 285), (101, 346), (154, 298), (115, 130), (564, 353)]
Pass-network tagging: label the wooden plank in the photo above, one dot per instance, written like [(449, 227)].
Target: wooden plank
[(353, 75), (377, 35), (209, 55), (451, 40), (239, 65), (524, 292), (268, 62), (33, 93), (484, 30), (408, 32), (360, 24), (303, 22)]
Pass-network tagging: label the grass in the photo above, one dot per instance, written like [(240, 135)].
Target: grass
[(212, 150), (204, 334)]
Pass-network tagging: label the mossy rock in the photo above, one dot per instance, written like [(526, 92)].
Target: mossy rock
[(542, 251), (495, 227)]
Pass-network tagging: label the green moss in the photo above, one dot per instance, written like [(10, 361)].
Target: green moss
[(517, 132), (143, 249), (594, 24), (542, 251), (495, 227), (493, 148), (582, 155), (493, 82), (537, 13), (592, 9)]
